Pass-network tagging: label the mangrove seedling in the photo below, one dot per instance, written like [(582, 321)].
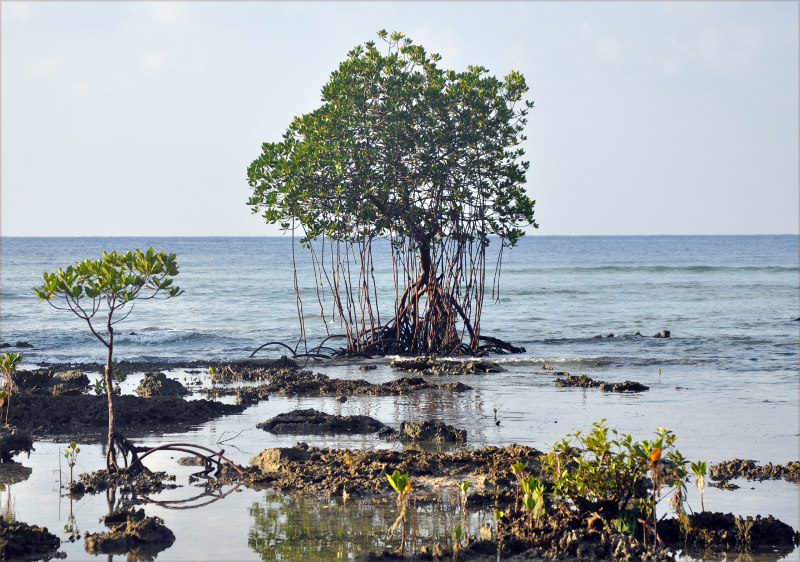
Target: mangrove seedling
[(111, 284), (518, 470), (533, 491), (117, 374), (402, 485), (71, 454), (9, 367), (463, 487), (498, 516), (699, 469), (457, 534)]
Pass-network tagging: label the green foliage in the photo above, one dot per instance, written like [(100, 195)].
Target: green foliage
[(116, 279), (10, 362), (626, 522), (8, 367), (606, 469), (117, 375), (533, 490), (71, 454), (457, 533), (700, 470), (400, 482), (401, 147)]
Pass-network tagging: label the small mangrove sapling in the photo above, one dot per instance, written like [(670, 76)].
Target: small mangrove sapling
[(699, 469), (9, 367), (111, 284), (457, 534), (463, 487), (518, 470), (71, 454), (402, 485)]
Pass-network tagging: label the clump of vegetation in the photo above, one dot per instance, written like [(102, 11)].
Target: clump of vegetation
[(110, 284), (605, 472)]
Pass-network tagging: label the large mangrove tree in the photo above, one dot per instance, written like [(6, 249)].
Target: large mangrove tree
[(426, 157)]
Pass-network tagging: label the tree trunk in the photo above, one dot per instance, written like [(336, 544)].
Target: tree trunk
[(111, 460)]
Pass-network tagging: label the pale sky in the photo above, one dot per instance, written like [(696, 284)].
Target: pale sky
[(140, 118)]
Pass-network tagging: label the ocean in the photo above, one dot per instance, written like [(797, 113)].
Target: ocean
[(726, 381), (729, 301)]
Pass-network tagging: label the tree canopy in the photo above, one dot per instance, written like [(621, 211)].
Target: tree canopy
[(404, 149)]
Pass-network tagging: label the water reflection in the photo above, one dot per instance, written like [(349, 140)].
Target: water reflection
[(302, 528), (11, 473)]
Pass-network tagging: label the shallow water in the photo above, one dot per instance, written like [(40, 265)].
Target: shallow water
[(248, 525), (728, 385)]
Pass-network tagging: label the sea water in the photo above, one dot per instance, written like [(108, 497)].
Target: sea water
[(726, 381)]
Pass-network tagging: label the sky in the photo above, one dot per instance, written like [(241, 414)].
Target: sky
[(140, 118)]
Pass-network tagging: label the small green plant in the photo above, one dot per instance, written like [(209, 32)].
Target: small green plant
[(402, 485), (463, 487), (9, 367), (700, 470), (457, 534), (626, 522), (533, 499), (518, 470), (118, 376), (71, 454)]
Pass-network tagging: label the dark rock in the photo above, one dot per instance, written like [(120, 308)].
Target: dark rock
[(131, 533), (20, 541), (143, 482), (69, 382), (584, 381), (743, 468), (13, 472), (294, 382), (437, 367), (723, 531), (431, 430), (39, 380), (368, 367), (45, 413), (311, 421), (157, 384), (13, 441)]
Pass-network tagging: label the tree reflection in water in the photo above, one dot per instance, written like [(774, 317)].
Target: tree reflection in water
[(302, 528)]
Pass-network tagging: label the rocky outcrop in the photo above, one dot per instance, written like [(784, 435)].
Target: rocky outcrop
[(132, 533), (158, 384), (20, 541), (432, 431), (583, 381), (314, 422)]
